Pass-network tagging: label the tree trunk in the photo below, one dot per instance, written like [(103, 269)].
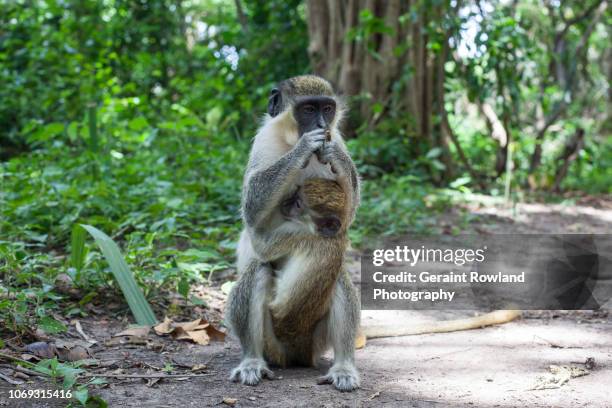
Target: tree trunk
[(395, 65), (569, 154)]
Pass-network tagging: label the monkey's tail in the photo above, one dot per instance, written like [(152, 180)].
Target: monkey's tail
[(444, 326)]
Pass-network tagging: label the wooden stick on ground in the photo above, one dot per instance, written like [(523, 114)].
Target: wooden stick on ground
[(146, 375)]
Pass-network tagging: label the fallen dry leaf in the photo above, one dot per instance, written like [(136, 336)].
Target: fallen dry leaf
[(42, 349), (137, 331), (179, 334), (29, 357), (199, 331), (164, 327), (574, 371), (64, 350), (74, 354), (199, 337), (198, 367), (230, 401), (214, 333), (559, 376), (194, 325)]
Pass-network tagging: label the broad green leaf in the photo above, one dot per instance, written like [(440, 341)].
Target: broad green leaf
[(69, 375), (133, 295), (44, 367), (81, 395), (50, 325)]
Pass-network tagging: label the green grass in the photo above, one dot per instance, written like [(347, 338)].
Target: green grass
[(169, 198)]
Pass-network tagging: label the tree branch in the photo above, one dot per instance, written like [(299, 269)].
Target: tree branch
[(569, 154), (242, 19)]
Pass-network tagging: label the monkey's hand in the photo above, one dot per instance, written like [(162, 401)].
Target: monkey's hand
[(338, 158), (311, 142), (251, 371), (343, 376), (331, 153)]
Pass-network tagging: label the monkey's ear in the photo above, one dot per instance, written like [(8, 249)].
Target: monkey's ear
[(274, 102)]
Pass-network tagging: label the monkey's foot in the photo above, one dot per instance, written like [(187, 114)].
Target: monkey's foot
[(343, 376), (251, 371)]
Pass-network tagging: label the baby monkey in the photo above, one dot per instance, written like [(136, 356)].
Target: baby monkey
[(319, 204)]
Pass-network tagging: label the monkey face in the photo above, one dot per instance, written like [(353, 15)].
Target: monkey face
[(314, 112)]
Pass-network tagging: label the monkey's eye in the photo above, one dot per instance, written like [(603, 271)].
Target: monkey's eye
[(328, 109), (308, 109)]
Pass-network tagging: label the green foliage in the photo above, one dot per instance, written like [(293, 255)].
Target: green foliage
[(538, 65), (133, 295), (395, 206), (155, 192), (68, 373)]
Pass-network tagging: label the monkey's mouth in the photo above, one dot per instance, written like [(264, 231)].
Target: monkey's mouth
[(328, 226)]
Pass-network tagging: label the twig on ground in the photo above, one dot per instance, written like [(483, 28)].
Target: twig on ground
[(79, 329), (447, 354), (146, 375), (556, 345), (9, 357), (24, 370), (10, 380)]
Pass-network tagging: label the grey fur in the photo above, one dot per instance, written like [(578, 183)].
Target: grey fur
[(281, 265)]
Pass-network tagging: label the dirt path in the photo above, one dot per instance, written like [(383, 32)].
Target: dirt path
[(491, 367)]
